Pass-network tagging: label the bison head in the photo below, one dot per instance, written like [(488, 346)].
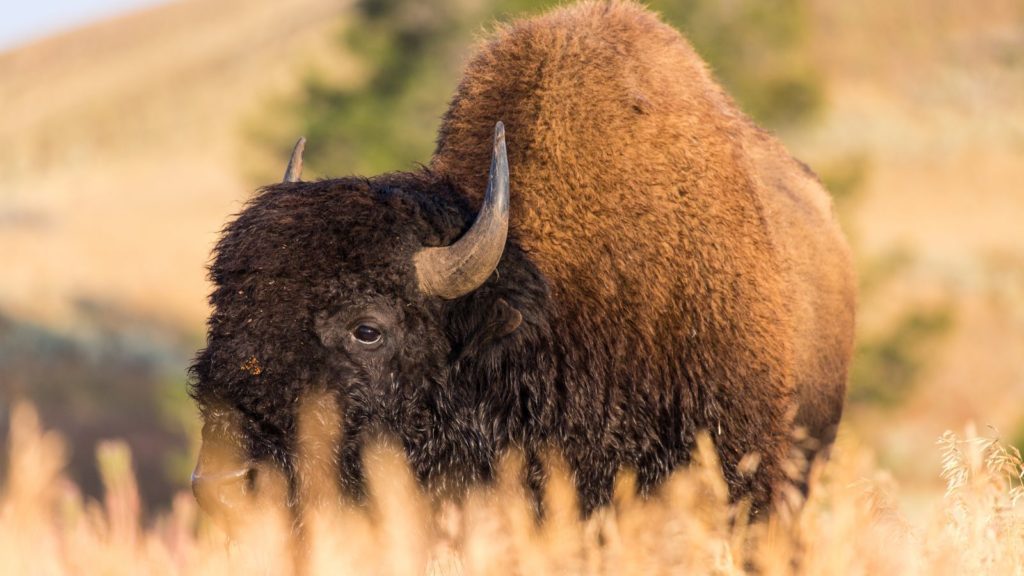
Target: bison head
[(372, 290)]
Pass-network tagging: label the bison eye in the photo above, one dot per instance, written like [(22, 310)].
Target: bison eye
[(367, 334)]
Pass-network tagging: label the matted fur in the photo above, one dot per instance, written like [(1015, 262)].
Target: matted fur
[(670, 269)]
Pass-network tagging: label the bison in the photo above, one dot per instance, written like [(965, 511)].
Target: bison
[(640, 263)]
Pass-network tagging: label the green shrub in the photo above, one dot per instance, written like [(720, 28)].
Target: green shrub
[(886, 368)]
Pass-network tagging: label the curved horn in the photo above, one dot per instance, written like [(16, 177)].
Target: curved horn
[(452, 271), (294, 171)]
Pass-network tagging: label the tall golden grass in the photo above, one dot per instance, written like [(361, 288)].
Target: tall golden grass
[(850, 524)]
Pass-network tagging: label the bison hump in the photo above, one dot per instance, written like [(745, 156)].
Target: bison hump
[(622, 150)]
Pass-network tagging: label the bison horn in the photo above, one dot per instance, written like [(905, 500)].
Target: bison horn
[(294, 171), (452, 271)]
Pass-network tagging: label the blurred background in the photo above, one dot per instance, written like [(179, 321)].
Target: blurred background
[(131, 130)]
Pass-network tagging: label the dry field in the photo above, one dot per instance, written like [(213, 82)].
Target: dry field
[(850, 525)]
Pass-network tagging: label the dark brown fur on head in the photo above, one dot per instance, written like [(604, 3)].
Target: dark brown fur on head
[(671, 269)]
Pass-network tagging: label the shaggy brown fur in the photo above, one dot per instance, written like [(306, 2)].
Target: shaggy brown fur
[(676, 235), (670, 269)]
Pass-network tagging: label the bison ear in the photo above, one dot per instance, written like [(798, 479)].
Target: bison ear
[(506, 319), (294, 171), (494, 322)]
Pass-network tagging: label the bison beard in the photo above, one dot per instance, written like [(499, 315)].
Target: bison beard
[(669, 269)]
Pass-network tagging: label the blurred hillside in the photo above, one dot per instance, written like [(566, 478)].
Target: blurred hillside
[(120, 149), (929, 98), (128, 144)]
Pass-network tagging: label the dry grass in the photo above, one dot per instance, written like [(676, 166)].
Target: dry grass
[(849, 526)]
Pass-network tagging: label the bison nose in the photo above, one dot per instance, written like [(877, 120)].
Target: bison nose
[(223, 491)]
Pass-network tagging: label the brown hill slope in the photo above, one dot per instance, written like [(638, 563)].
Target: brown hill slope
[(120, 149)]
